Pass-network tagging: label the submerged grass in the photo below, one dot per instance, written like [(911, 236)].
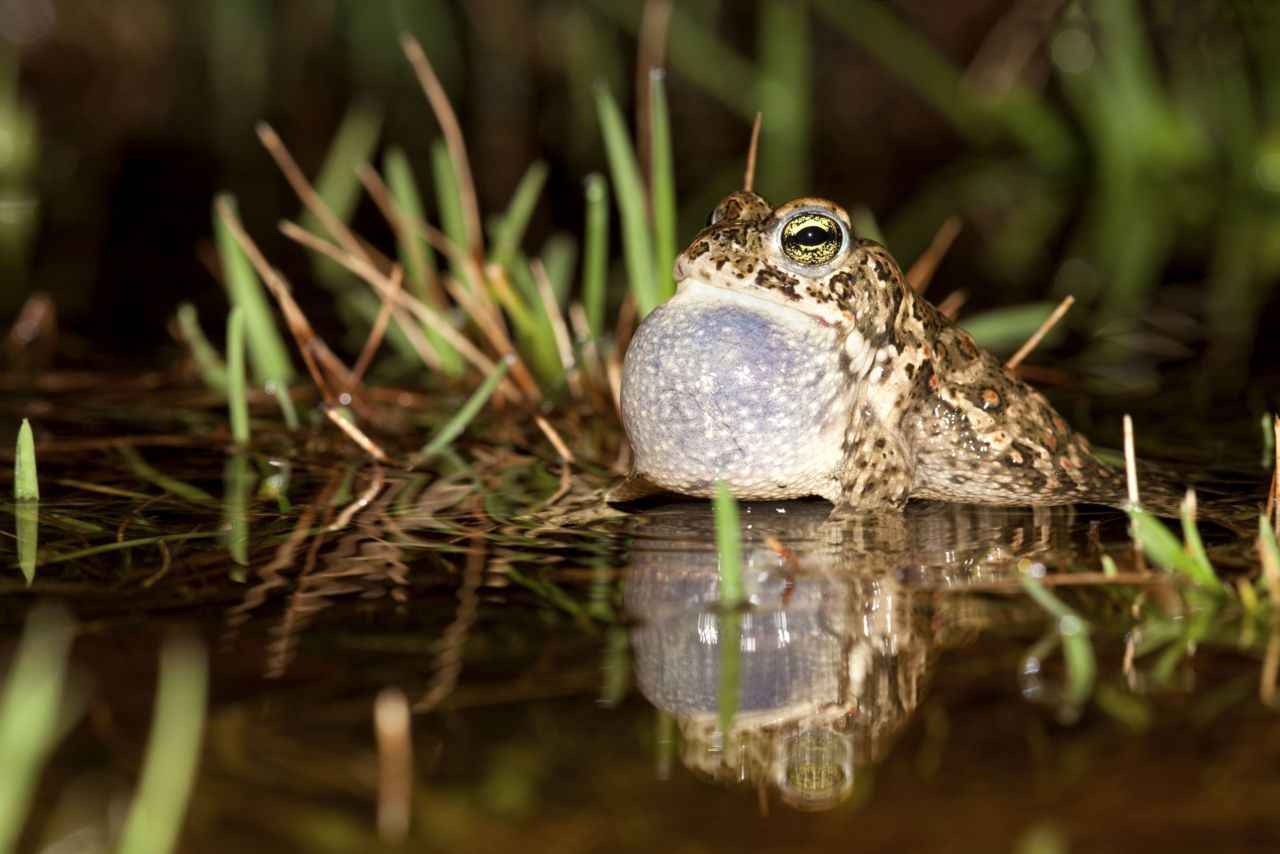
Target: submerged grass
[(33, 713), (173, 751)]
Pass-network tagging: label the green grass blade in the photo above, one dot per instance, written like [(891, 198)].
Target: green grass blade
[(416, 255), (1163, 547), (459, 422), (1195, 545), (415, 252), (730, 685), (662, 187), (338, 182), (1268, 440), (30, 713), (510, 228), (1077, 650), (785, 92), (212, 370), (26, 529), (595, 252), (449, 202), (237, 399), (238, 481), (173, 751), (637, 242), (728, 546), (267, 352), (146, 472), (26, 486)]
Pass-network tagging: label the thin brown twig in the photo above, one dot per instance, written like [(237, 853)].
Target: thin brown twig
[(309, 344), (921, 272), (553, 436), (356, 435), (952, 303), (453, 139), (1038, 335), (380, 283), (749, 177), (376, 332), (307, 194)]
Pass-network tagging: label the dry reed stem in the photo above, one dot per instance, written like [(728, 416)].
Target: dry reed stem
[(921, 272), (553, 436), (356, 435), (393, 733), (382, 285), (309, 344), (1036, 337), (1130, 463), (311, 200), (405, 229), (1270, 570), (651, 49), (376, 332), (952, 303), (453, 139), (749, 177)]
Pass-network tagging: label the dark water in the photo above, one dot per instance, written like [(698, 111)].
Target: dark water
[(890, 685)]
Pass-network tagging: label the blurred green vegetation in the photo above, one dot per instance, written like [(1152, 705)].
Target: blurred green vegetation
[(1127, 153)]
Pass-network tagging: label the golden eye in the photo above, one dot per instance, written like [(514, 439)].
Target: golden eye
[(812, 238)]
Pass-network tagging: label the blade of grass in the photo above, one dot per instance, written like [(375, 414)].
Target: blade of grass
[(730, 684), (662, 187), (26, 486), (459, 421), (26, 529), (784, 92), (145, 471), (1077, 650), (509, 230), (1194, 545), (237, 401), (415, 253), (1163, 547), (1269, 553), (267, 353), (237, 485), (212, 370), (30, 713), (595, 252), (728, 546), (173, 751), (637, 242), (352, 145)]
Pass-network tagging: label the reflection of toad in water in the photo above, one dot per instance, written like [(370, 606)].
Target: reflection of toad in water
[(833, 655)]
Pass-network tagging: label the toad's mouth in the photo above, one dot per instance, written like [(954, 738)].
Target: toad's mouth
[(750, 297)]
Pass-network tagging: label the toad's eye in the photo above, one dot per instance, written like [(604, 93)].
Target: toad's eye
[(812, 238)]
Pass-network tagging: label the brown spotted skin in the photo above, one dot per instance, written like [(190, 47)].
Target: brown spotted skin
[(925, 412)]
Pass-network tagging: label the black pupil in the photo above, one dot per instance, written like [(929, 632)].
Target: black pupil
[(812, 235)]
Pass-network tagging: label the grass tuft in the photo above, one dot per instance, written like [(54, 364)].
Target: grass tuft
[(595, 253)]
